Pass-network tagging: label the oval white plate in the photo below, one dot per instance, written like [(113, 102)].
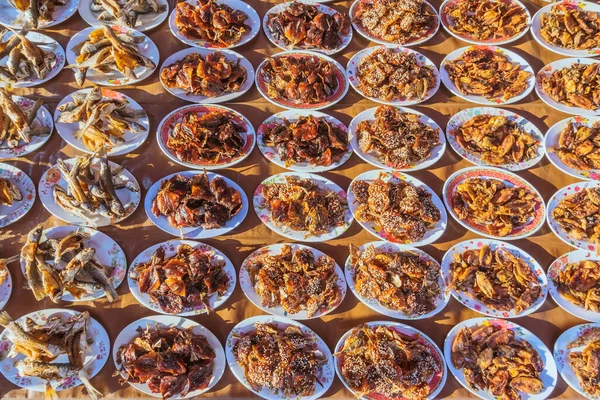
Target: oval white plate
[(549, 375), (325, 373), (374, 159), (421, 60), (166, 126), (196, 98), (130, 332), (265, 215), (94, 360), (13, 18), (52, 176), (512, 57), (431, 235), (115, 78), (132, 140), (10, 214), (144, 22), (253, 22), (386, 247), (274, 250), (6, 289), (436, 384), (463, 116), (511, 180), (292, 116), (195, 232)]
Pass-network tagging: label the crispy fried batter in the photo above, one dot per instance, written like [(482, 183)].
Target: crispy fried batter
[(577, 85), (580, 284), (579, 215), (579, 146), (569, 27), (586, 363)]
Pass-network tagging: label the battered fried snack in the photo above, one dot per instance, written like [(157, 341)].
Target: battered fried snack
[(395, 21), (381, 362), (489, 202), (482, 71), (401, 281), (390, 74), (580, 284), (584, 363), (397, 139), (568, 27), (9, 192), (494, 359), (579, 215), (579, 146), (577, 85)]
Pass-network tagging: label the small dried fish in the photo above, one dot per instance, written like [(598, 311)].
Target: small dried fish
[(125, 12), (26, 59)]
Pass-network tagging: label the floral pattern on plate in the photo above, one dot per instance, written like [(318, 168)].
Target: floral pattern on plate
[(10, 214), (6, 289)]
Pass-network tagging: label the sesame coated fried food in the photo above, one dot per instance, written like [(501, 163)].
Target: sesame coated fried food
[(569, 27), (579, 146), (577, 85), (586, 363), (578, 215), (579, 283)]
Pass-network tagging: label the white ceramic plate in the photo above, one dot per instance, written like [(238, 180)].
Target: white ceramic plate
[(144, 22), (195, 232), (10, 214), (512, 57), (132, 140), (386, 247), (168, 123), (464, 116), (303, 236), (13, 18), (94, 360), (421, 61), (6, 289), (325, 374), (253, 22), (129, 333), (274, 250), (52, 176), (548, 376), (292, 116), (431, 235), (115, 78), (374, 159)]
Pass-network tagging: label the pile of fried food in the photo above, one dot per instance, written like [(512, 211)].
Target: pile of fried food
[(395, 21), (37, 10), (183, 281), (401, 281), (4, 273), (579, 282), (497, 140), (490, 202), (210, 76), (309, 139), (172, 361), (302, 25), (569, 27), (193, 202), (102, 122), (482, 71), (56, 265), (577, 85), (398, 139), (579, 146), (9, 192), (125, 12), (494, 359), (586, 363), (301, 205), (16, 125), (295, 280), (43, 343), (579, 215), (403, 211), (25, 60), (217, 24), (498, 278), (283, 360), (379, 361), (209, 138), (301, 79), (107, 51), (391, 74)]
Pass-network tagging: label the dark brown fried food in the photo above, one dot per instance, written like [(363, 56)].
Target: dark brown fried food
[(9, 192), (577, 85), (569, 27), (579, 215), (579, 146), (579, 283), (586, 363)]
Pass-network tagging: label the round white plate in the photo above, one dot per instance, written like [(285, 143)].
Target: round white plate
[(94, 360), (303, 236), (132, 140), (144, 22), (10, 214), (274, 250), (463, 116), (374, 159), (325, 373), (386, 247), (115, 78), (512, 57), (130, 332), (174, 117), (421, 61), (431, 235), (292, 116), (53, 176), (6, 289), (195, 232), (253, 22), (13, 18), (436, 384), (196, 98)]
